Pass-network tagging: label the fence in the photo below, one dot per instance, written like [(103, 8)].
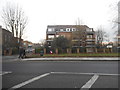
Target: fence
[(79, 50), (13, 51)]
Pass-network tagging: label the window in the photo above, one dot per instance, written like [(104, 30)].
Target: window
[(50, 29), (89, 36), (61, 30), (67, 29), (50, 36), (89, 29), (64, 30), (73, 29)]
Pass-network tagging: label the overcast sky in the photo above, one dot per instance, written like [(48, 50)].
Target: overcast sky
[(41, 13)]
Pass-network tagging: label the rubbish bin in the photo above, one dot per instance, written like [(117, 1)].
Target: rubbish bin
[(41, 53)]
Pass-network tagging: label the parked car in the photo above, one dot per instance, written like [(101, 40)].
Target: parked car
[(29, 50)]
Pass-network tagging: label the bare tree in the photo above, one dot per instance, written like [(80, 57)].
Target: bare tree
[(42, 42), (79, 22), (115, 10), (15, 20), (79, 34), (101, 35), (8, 16)]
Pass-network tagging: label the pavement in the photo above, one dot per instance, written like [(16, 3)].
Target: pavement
[(9, 57), (15, 58)]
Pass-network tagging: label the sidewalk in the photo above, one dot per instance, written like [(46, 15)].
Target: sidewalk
[(15, 57), (74, 59), (9, 57)]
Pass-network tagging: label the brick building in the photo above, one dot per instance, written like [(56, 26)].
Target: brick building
[(81, 36), (8, 41)]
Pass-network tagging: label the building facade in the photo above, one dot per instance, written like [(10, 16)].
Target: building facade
[(8, 41), (118, 36), (81, 36), (0, 40)]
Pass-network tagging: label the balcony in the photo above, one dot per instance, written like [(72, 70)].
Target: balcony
[(51, 32), (90, 46), (90, 32), (90, 42), (49, 39), (76, 40), (90, 39)]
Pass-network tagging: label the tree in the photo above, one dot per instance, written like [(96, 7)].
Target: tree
[(79, 35), (15, 20), (115, 15), (101, 35), (60, 43)]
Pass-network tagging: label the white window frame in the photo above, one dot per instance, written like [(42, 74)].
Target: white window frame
[(68, 29), (50, 29), (51, 36), (73, 29), (89, 36), (61, 30)]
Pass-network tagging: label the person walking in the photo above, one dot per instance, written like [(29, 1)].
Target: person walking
[(20, 52), (24, 53)]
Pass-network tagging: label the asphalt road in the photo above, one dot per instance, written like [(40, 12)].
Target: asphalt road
[(60, 74)]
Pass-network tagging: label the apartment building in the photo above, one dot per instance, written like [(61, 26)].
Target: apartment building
[(80, 35)]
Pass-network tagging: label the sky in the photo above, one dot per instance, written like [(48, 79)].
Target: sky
[(40, 13)]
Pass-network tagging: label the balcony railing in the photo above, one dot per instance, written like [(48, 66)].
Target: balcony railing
[(76, 40), (90, 39), (90, 32), (50, 32), (90, 46), (49, 39)]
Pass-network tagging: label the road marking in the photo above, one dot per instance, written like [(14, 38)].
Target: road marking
[(104, 74), (3, 73), (74, 58), (28, 81), (90, 82)]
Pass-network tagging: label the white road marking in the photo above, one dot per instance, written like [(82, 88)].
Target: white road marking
[(74, 58), (28, 81), (3, 73), (90, 82), (104, 74)]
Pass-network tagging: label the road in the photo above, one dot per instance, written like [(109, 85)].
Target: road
[(60, 74)]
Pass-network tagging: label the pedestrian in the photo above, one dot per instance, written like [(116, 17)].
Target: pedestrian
[(7, 51), (20, 52), (41, 53), (24, 53)]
